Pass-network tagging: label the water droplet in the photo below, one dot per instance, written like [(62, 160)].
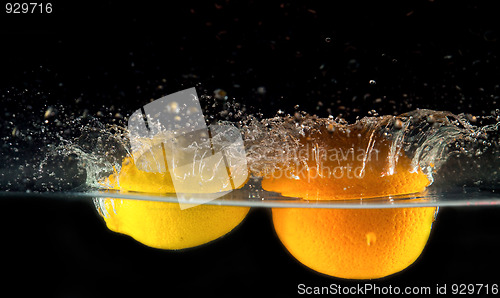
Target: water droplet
[(48, 113), (330, 127), (398, 124), (173, 107), (471, 118), (220, 94)]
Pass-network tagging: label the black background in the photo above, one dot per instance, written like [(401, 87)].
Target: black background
[(421, 54), (61, 248), (90, 56)]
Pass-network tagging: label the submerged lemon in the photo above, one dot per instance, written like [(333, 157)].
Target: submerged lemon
[(161, 224), (351, 243)]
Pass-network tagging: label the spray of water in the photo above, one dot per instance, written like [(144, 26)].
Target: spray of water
[(451, 149)]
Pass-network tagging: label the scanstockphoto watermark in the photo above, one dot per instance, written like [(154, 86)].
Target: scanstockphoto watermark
[(364, 289), (311, 162), (374, 289), (296, 170)]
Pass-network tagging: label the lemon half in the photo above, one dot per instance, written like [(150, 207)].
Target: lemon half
[(163, 225)]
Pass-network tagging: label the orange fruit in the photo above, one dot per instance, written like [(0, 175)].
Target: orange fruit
[(350, 243), (163, 225), (354, 244)]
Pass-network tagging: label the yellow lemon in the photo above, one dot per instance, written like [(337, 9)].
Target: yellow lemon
[(161, 224)]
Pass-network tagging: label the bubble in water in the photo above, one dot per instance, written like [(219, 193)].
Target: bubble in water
[(372, 82), (328, 39)]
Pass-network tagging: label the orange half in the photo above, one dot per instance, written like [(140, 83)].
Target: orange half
[(353, 163)]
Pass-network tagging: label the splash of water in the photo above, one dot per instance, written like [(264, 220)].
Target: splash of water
[(430, 138), (451, 149)]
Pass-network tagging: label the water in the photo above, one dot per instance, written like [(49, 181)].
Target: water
[(460, 154), (440, 143)]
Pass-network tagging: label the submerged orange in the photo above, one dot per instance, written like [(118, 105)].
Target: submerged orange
[(351, 243), (354, 244)]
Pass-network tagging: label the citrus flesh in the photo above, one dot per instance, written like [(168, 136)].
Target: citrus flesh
[(163, 225), (351, 243)]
